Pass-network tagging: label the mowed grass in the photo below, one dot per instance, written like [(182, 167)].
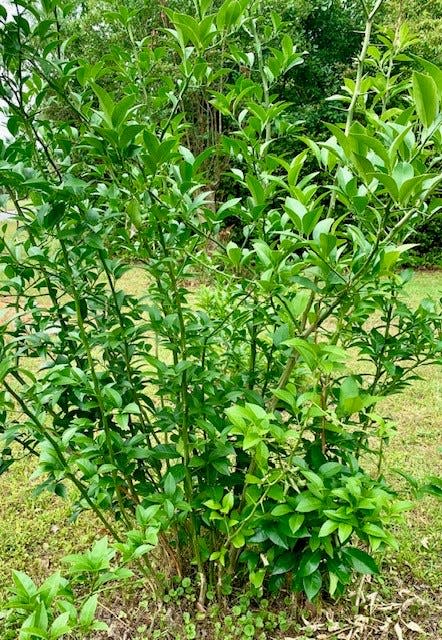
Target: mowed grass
[(416, 449), (36, 532)]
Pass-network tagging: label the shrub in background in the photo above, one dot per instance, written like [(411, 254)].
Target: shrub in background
[(427, 238)]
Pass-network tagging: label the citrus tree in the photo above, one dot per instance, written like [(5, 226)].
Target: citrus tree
[(226, 422)]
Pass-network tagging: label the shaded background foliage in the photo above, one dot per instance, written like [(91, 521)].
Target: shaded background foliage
[(312, 24), (98, 30), (425, 21)]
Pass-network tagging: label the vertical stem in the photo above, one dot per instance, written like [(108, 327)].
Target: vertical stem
[(359, 78), (361, 62), (184, 430), (95, 381), (324, 397), (57, 24), (264, 80), (253, 347)]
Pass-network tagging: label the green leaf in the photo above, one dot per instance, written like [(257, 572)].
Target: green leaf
[(333, 582), (361, 561), (296, 211), (299, 303), (374, 144), (251, 439), (373, 530), (234, 253), (306, 350), (349, 396), (402, 172), (106, 103), (309, 563), (276, 492), (312, 585), (426, 98), (132, 407), (281, 510), (433, 71), (60, 626), (286, 562), (41, 617), (236, 416), (187, 155), (51, 586), (343, 140), (327, 528), (264, 253), (24, 585), (330, 469), (257, 190), (122, 110), (145, 515), (257, 577), (87, 612), (211, 504), (391, 255), (30, 633), (227, 502), (295, 522), (229, 204), (344, 531), (277, 539), (112, 397), (307, 503), (169, 485), (238, 541)]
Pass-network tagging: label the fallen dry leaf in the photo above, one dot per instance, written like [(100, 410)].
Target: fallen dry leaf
[(425, 543), (413, 626), (398, 630)]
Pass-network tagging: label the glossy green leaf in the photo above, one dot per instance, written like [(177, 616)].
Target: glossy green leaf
[(328, 528), (361, 561), (426, 98), (312, 585), (307, 503)]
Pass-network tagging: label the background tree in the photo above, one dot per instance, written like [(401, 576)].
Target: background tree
[(425, 22), (102, 29)]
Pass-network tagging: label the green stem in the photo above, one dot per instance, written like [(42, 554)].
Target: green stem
[(253, 347), (184, 429), (95, 381), (264, 80), (361, 62), (144, 418), (359, 77)]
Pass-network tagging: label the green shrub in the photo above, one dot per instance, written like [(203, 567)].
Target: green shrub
[(224, 431), (428, 240)]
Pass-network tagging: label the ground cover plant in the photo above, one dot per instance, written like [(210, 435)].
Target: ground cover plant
[(231, 434)]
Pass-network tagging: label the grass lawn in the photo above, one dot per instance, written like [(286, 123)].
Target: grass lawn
[(405, 602)]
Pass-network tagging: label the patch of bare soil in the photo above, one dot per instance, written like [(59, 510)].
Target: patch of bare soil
[(393, 607)]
